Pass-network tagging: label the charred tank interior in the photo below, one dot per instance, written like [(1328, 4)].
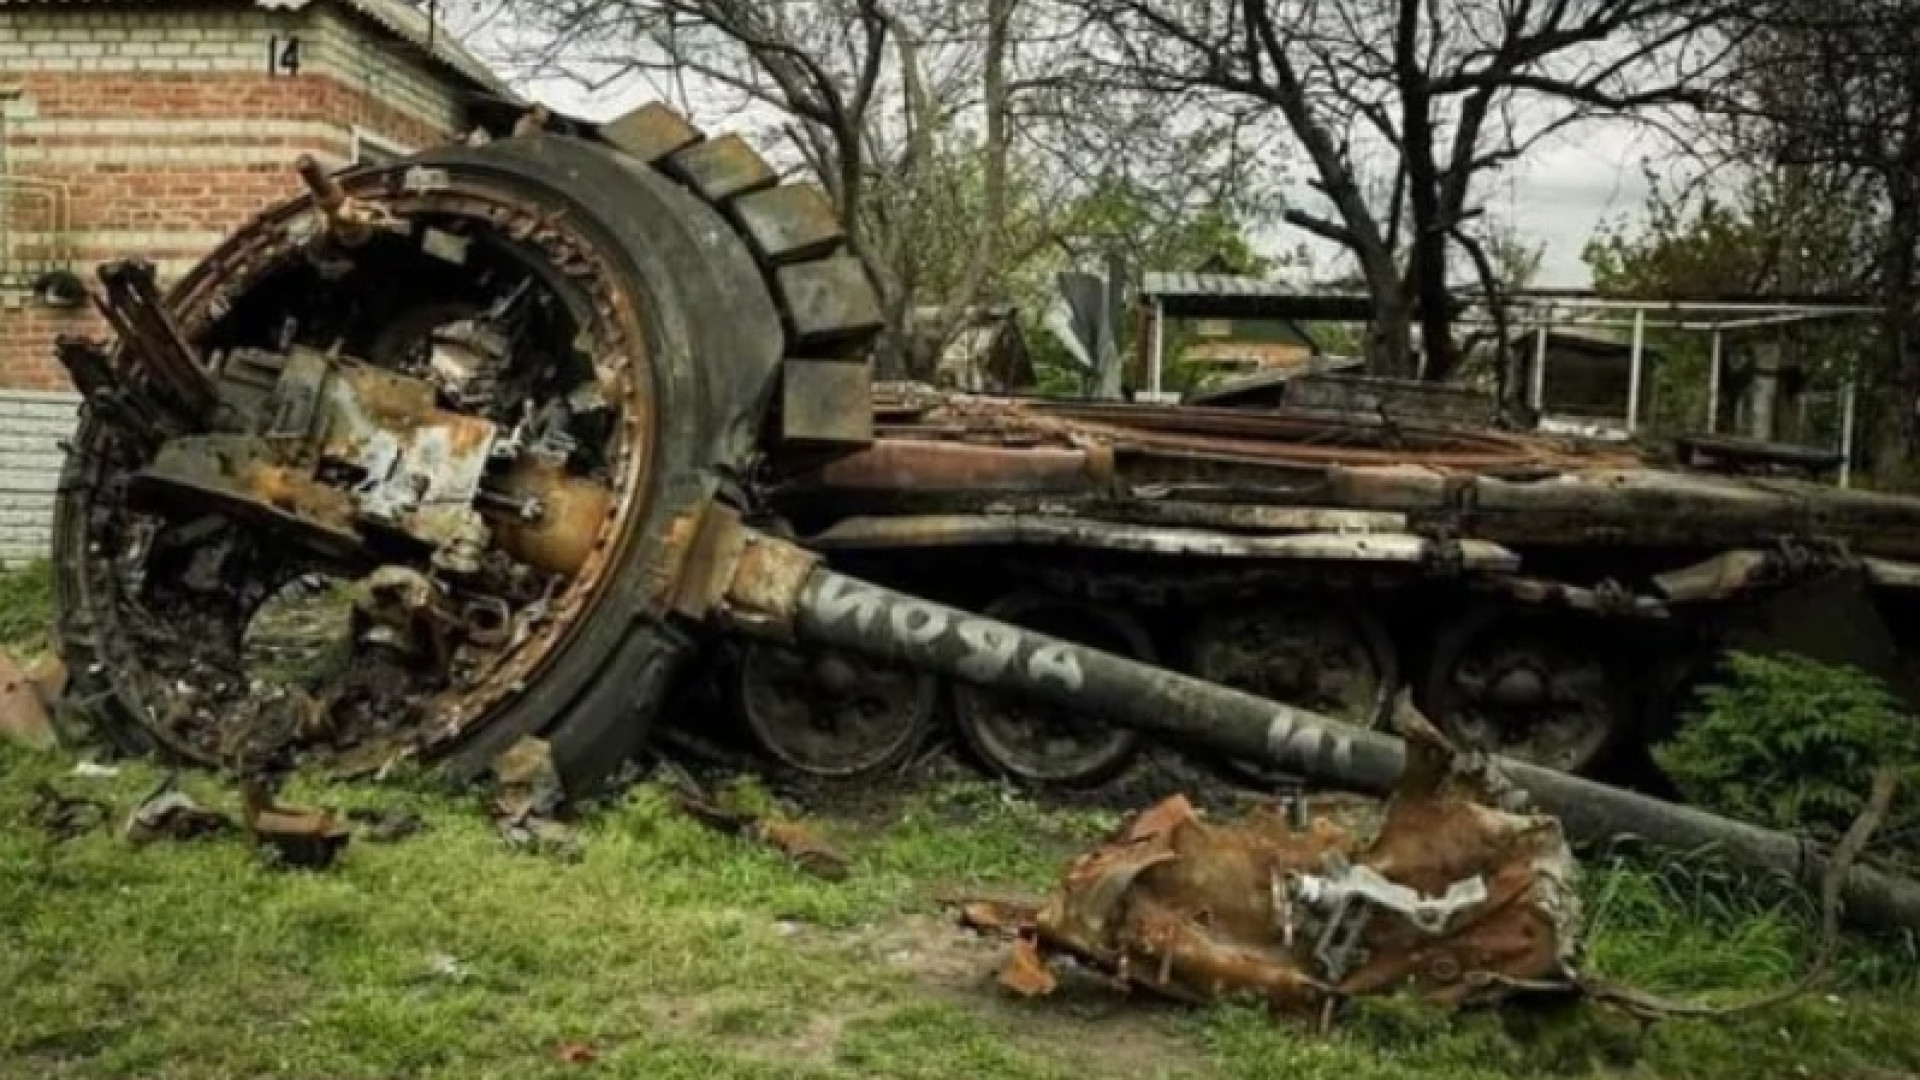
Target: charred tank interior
[(358, 502)]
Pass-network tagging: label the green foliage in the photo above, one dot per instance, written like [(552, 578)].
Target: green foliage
[(1792, 744), (1150, 233), (26, 607), (1783, 231)]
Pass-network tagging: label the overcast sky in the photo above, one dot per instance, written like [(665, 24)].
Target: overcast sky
[(1560, 193)]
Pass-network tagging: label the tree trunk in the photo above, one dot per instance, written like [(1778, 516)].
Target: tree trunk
[(1390, 336), (1429, 274), (1900, 437)]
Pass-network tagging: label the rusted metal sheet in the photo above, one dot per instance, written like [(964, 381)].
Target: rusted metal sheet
[(764, 586), (913, 465), (1448, 895), (291, 836), (421, 467)]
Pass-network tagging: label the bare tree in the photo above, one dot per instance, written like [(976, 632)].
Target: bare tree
[(1400, 105), (952, 138)]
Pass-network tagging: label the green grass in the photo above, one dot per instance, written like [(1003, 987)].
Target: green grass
[(675, 952), (26, 608)]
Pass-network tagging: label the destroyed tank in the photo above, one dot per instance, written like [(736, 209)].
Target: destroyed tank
[(463, 422)]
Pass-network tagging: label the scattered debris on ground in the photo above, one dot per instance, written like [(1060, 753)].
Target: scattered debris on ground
[(448, 966), (1450, 897), (62, 816), (25, 717), (527, 800), (800, 842), (386, 826), (171, 814), (291, 836)]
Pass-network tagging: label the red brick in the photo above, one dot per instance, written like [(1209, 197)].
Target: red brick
[(185, 198)]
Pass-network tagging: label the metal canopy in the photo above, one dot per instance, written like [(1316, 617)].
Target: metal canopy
[(1534, 313), (1229, 296)]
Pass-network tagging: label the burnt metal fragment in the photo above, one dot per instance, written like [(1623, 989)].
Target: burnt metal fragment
[(297, 837), (171, 814), (1447, 895), (799, 842), (154, 345), (62, 816)]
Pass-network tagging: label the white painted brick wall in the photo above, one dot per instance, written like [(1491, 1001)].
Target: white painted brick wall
[(32, 428)]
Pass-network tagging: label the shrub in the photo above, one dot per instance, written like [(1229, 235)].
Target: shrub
[(1792, 744)]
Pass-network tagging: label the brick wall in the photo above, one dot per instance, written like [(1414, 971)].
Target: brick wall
[(155, 130)]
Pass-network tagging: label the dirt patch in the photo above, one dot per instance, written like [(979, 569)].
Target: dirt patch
[(1085, 1021), (932, 951)]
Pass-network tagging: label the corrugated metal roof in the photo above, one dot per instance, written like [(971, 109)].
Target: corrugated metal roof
[(1229, 296), (1164, 283), (400, 19)]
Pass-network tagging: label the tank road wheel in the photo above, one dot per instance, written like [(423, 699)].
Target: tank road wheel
[(1537, 686), (1038, 744), (472, 390), (831, 714), (1305, 652)]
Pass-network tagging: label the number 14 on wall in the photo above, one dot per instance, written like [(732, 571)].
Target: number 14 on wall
[(283, 55)]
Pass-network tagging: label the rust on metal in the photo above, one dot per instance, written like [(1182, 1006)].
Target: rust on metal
[(563, 525), (347, 220), (1440, 891), (763, 591), (938, 466), (291, 836), (323, 436), (797, 841), (326, 192), (153, 342)]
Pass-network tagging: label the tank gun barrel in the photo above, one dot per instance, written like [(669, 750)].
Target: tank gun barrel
[(781, 591)]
